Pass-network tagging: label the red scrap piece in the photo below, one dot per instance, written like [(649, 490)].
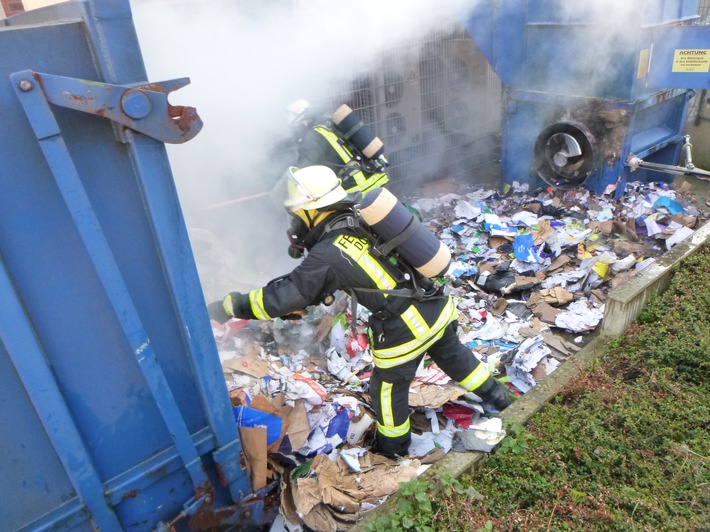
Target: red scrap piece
[(460, 414), (233, 326), (513, 389), (361, 341)]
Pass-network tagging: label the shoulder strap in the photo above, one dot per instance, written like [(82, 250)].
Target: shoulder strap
[(402, 237), (347, 220)]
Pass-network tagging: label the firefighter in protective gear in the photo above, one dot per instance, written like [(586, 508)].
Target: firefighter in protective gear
[(320, 144), (402, 329)]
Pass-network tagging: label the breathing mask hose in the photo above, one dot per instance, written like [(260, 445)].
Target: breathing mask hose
[(296, 234), (295, 252)]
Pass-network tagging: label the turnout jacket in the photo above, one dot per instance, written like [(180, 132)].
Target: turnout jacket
[(401, 328)]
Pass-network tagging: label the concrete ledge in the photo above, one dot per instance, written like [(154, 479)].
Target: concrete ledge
[(625, 303), (622, 307)]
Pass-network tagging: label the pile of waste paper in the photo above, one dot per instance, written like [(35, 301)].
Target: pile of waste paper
[(530, 275)]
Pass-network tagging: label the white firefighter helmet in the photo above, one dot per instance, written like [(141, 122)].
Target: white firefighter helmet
[(297, 111), (312, 187)]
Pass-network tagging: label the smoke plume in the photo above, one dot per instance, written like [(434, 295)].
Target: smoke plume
[(246, 61)]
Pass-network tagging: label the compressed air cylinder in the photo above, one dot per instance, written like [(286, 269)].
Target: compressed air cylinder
[(389, 218), (354, 130)]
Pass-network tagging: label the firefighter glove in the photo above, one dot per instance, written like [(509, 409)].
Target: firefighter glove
[(237, 305), (499, 397), (217, 312)]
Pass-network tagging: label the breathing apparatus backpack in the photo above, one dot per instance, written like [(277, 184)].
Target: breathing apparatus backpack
[(397, 236), (367, 147)]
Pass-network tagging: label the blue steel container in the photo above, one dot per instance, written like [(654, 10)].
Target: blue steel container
[(115, 414), (585, 88)]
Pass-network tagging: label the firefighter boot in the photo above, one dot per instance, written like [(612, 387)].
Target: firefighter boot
[(394, 450)]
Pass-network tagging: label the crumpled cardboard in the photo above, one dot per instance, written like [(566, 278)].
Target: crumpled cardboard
[(606, 228), (560, 347), (544, 232), (544, 311), (254, 439), (499, 306), (324, 327), (622, 247), (288, 505), (254, 447), (332, 489), (433, 395), (321, 518), (525, 282), (556, 296), (248, 364), (298, 428), (559, 262), (263, 404)]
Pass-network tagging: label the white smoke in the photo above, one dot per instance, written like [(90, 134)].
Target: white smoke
[(246, 61)]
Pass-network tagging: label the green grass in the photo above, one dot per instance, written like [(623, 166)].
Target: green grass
[(624, 446)]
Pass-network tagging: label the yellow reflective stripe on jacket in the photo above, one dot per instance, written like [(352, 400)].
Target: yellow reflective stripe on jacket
[(477, 377), (415, 322), (414, 349), (332, 139), (448, 314), (394, 356), (256, 299), (228, 305), (362, 183), (358, 249)]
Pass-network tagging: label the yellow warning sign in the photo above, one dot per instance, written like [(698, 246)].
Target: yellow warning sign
[(691, 61)]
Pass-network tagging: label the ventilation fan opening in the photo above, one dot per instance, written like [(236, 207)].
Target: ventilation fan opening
[(395, 130), (458, 76), (564, 155), (457, 115)]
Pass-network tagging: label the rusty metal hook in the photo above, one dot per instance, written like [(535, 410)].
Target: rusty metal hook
[(143, 108)]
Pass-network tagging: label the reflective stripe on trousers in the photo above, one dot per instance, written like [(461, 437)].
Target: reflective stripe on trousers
[(389, 387)]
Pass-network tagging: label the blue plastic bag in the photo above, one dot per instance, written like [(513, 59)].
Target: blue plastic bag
[(672, 206), (339, 425), (249, 417), (524, 248)]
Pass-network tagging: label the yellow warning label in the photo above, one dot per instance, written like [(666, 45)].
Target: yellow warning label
[(691, 61)]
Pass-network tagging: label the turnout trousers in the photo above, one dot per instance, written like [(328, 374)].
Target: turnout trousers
[(389, 388)]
